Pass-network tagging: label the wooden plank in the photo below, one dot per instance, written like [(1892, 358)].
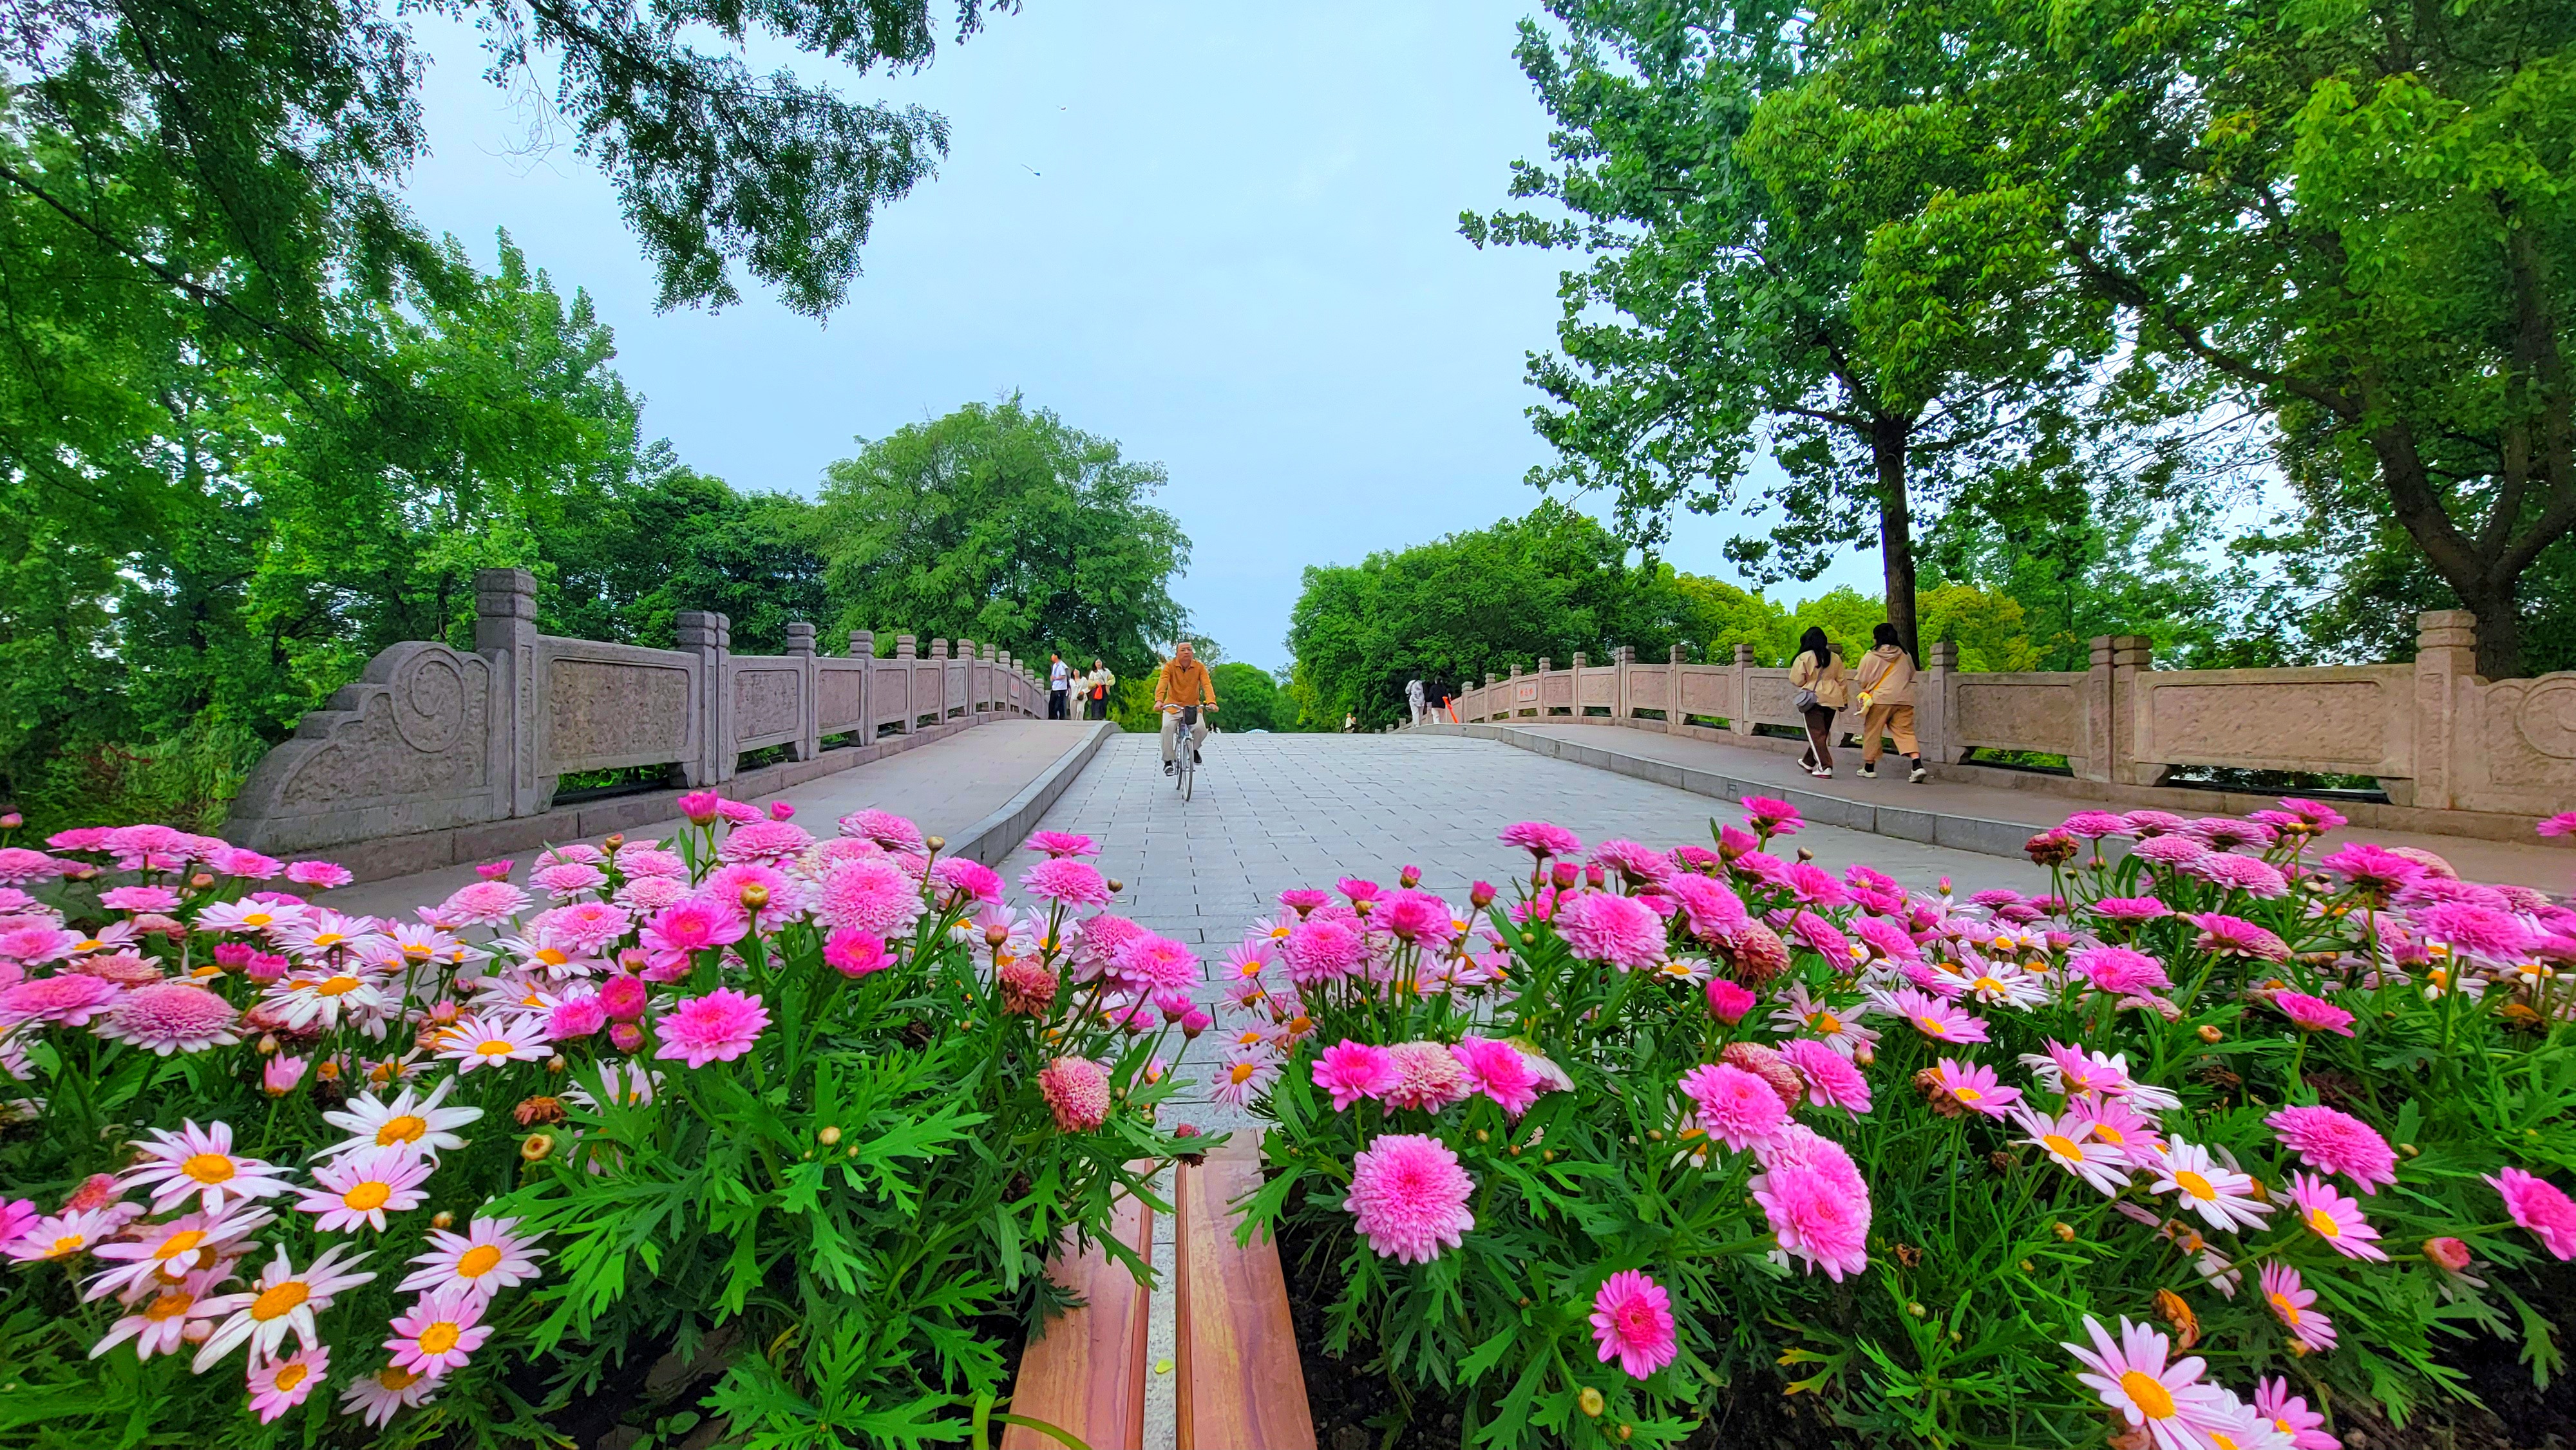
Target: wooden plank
[(1086, 1370), (1241, 1387)]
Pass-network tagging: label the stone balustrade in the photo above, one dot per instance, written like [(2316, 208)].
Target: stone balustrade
[(435, 755), (2434, 734)]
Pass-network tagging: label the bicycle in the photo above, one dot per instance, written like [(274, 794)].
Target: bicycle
[(1185, 753)]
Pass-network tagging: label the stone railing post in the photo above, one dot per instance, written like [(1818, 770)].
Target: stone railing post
[(2130, 653), (1741, 722), (2093, 716), (2446, 661), (1673, 690), (863, 648), (1512, 706), (1932, 703), (809, 724), (903, 646), (505, 633), (1543, 663), (1621, 702), (709, 636)]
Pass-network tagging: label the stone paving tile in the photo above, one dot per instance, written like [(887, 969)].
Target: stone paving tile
[(946, 786)]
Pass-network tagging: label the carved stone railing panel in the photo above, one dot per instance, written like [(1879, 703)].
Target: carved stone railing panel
[(2356, 720), (610, 706), (1596, 686), (768, 702), (413, 745), (2021, 711)]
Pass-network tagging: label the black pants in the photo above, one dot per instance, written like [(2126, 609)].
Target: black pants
[(1055, 704), (1820, 733)]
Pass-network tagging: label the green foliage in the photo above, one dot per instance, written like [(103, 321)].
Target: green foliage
[(1000, 522), (1252, 700)]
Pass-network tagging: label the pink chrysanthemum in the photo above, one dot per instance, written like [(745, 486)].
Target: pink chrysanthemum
[(1428, 1077), (1418, 917), (977, 881), (71, 1000), (1733, 1106), (1028, 988), (2094, 825), (1066, 881), (1770, 816), (2333, 1217), (855, 953), (768, 842), (2170, 850), (1351, 1071), (2235, 936), (1712, 912), (2231, 872), (2541, 1207), (1638, 863), (887, 829), (2337, 1142), (872, 894), (2130, 908), (1062, 843), (2120, 971), (1409, 1198), (1498, 1070), (688, 926), (1819, 936), (2313, 1014), (1632, 1318), (1818, 1207), (1542, 839), (1886, 940), (1832, 1082), (168, 1017), (568, 878), (1601, 926), (575, 1018), (1321, 950), (718, 1027), (1728, 1001), (2496, 935), (1156, 963), (1076, 1090)]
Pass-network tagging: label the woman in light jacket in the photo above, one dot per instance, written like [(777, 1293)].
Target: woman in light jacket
[(1817, 674), (1886, 680)]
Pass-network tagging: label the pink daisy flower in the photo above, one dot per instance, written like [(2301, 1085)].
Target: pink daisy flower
[(319, 875), (1428, 1077), (1351, 1071), (2232, 936), (2289, 1300), (2336, 1142), (281, 1385), (1076, 1090), (2068, 1142), (388, 1392), (972, 879), (2132, 1377), (281, 1301), (1603, 926), (2541, 1207), (1062, 843), (1541, 839), (200, 1163), (2313, 1014), (1770, 816), (1734, 1106), (1632, 1318), (2291, 1416), (1974, 1086), (1832, 1082), (1248, 1073), (718, 1027), (364, 1186), (1408, 1197), (2222, 1197), (70, 1000), (440, 1331), (1934, 1018), (1499, 1071), (2371, 869), (2333, 1217), (489, 1257)]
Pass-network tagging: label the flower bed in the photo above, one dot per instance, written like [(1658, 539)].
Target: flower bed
[(2225, 1144), (747, 1124)]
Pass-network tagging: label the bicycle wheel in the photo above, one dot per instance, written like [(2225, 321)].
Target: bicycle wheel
[(1188, 774)]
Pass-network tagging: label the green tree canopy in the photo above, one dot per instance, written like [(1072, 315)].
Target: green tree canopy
[(1000, 522), (1250, 698)]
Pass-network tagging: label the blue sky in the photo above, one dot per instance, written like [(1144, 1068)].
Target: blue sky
[(1225, 236)]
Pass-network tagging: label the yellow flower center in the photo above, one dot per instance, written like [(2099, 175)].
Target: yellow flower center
[(2147, 1393), (2324, 1223), (179, 1243), (495, 1047), (2195, 1185), (2288, 1311), (336, 986), (280, 1301), (2061, 1145), (439, 1338), (170, 1305), (477, 1261), (1965, 1094), (405, 1129), (368, 1196), (67, 1244), (1933, 1026), (2110, 1135), (1828, 1023), (209, 1168), (258, 919), (552, 957), (417, 951), (396, 1379), (1985, 984), (1240, 1072), (291, 1374), (325, 939)]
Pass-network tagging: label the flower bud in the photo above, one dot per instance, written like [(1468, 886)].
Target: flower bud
[(1595, 877), (2448, 1253), (537, 1147), (2209, 1033), (1564, 874), (936, 844), (201, 881), (1591, 1401), (754, 896), (625, 1036), (1116, 885), (829, 1136), (494, 870), (781, 810), (536, 1110), (612, 842), (1481, 895), (11, 821), (442, 1219), (1409, 877)]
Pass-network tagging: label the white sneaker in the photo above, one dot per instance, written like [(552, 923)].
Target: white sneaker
[(1869, 772), (1919, 776), (1825, 774)]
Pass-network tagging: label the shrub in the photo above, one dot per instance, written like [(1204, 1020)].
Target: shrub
[(1660, 1125), (748, 1123)]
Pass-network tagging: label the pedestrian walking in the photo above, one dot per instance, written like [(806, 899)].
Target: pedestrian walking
[(1413, 698), (1817, 675), (1059, 683), (1886, 700), (1095, 690), (1350, 721)]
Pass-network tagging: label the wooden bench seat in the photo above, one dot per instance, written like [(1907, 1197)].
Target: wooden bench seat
[(1086, 1370), (1241, 1387)]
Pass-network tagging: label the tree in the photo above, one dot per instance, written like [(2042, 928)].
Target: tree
[(1734, 212), (999, 522), (2358, 217), (1249, 698)]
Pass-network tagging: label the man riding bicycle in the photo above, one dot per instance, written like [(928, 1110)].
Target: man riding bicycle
[(1183, 682)]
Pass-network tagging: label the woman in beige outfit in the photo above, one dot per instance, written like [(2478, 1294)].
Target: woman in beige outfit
[(1887, 704), (1817, 675)]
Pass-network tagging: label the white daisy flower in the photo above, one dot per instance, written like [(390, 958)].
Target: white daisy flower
[(410, 1118), (201, 1161), (280, 1301)]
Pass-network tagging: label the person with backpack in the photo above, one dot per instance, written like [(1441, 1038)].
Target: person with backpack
[(1817, 675), (1886, 701)]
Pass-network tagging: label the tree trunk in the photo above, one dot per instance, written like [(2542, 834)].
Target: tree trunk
[(1896, 529)]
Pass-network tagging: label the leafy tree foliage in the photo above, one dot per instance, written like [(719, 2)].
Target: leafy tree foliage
[(1252, 700), (1000, 522)]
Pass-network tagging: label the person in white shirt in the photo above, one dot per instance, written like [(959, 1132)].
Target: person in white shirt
[(1413, 698), (1059, 685), (1095, 690)]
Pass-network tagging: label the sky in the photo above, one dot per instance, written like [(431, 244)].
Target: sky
[(1225, 236)]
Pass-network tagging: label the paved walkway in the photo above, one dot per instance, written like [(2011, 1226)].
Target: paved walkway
[(947, 786), (1963, 807)]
